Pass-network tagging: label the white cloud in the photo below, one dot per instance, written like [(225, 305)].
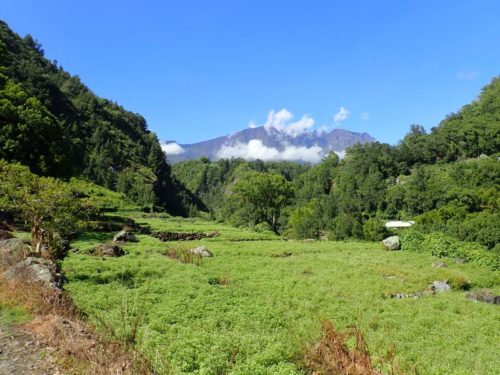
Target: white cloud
[(255, 149), (467, 75), (172, 148), (280, 121), (341, 115), (323, 129), (252, 125), (365, 116)]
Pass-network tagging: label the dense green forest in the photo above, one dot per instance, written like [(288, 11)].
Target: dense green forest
[(51, 122), (447, 180)]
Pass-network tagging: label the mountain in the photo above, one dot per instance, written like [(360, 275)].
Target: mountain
[(268, 143), (54, 124)]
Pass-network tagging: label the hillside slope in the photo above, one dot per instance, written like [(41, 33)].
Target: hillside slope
[(51, 122)]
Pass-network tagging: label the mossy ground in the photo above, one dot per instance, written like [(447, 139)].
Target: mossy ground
[(10, 315), (274, 297)]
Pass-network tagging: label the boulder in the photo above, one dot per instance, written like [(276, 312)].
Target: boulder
[(439, 286), (439, 265), (125, 236), (485, 296), (12, 246), (33, 270), (201, 251), (392, 243), (108, 250)]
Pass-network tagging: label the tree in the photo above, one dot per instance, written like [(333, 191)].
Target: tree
[(48, 205), (138, 184), (307, 221), (263, 196)]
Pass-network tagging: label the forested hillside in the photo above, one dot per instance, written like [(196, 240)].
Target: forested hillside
[(447, 180), (51, 122)]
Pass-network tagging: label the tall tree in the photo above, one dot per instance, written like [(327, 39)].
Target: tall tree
[(263, 196)]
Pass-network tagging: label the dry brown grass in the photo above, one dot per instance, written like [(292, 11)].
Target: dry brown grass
[(59, 326), (183, 255), (334, 356)]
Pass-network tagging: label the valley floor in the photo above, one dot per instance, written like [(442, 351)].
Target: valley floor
[(259, 302)]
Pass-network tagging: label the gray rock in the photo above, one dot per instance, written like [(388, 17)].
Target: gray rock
[(413, 295), (201, 251), (439, 265), (392, 243), (485, 296), (32, 270), (14, 245), (439, 286), (108, 250), (124, 236)]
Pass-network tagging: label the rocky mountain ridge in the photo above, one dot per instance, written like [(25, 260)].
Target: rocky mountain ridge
[(267, 143)]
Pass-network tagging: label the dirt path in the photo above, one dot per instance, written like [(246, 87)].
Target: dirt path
[(21, 353)]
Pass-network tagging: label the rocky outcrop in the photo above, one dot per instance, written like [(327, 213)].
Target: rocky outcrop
[(34, 270), (485, 296), (12, 250), (433, 288), (439, 286), (183, 236), (439, 265), (392, 243), (201, 251), (125, 236), (108, 250)]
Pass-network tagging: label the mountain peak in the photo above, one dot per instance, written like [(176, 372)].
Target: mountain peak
[(270, 143)]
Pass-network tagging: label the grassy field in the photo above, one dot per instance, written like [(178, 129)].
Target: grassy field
[(259, 302)]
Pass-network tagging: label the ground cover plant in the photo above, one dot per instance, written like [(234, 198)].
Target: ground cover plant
[(256, 306)]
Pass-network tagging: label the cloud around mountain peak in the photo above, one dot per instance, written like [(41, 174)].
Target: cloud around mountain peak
[(256, 149), (172, 148), (281, 121), (280, 137)]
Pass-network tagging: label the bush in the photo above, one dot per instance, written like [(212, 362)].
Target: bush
[(303, 222), (441, 245), (412, 240), (262, 228), (346, 226), (374, 230)]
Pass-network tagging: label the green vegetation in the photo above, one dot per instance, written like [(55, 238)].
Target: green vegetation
[(256, 305), (51, 122), (12, 315), (49, 206), (448, 181), (77, 167)]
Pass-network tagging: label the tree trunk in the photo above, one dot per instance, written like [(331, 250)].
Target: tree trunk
[(36, 238)]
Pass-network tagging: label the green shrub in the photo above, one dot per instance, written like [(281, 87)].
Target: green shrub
[(412, 240), (441, 245), (374, 230), (459, 281)]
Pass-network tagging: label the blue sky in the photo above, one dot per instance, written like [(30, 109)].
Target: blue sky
[(200, 69)]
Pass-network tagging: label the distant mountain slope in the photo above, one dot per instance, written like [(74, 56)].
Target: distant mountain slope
[(269, 144)]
